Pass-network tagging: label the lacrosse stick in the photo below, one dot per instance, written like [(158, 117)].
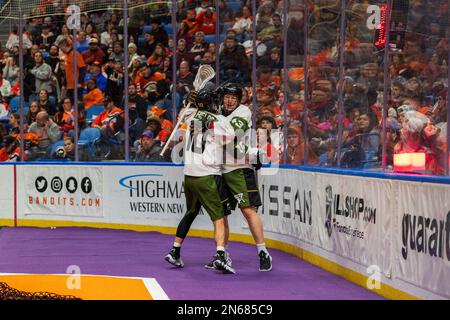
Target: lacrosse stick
[(204, 74)]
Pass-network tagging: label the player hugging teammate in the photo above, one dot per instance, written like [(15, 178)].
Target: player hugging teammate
[(217, 172)]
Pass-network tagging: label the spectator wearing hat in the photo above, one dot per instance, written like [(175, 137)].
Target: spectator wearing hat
[(154, 124), (159, 34), (94, 53), (71, 83), (156, 111), (147, 48), (95, 72), (149, 149), (110, 120), (132, 52)]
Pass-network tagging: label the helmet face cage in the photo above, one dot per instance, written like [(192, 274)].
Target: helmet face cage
[(207, 100)]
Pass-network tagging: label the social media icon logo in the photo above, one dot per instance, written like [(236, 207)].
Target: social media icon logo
[(56, 184), (71, 185), (86, 185), (41, 184)]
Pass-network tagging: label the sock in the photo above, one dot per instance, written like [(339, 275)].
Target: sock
[(176, 248), (220, 250), (262, 247)]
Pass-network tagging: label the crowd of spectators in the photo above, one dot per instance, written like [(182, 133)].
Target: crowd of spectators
[(416, 120)]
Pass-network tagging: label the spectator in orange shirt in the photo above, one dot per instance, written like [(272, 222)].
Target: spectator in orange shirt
[(65, 118), (66, 47), (94, 96), (147, 80), (156, 60), (156, 111), (110, 120), (11, 150), (191, 21)]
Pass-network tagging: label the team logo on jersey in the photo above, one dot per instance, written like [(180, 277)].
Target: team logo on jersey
[(239, 123)]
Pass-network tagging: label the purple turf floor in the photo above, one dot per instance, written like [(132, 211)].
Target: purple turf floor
[(141, 254)]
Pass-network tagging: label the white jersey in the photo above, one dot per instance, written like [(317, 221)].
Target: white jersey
[(203, 150), (237, 130)]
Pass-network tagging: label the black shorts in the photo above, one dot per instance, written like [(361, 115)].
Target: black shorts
[(243, 188)]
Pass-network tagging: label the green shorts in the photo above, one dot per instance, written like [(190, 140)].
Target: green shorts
[(243, 188), (209, 192)]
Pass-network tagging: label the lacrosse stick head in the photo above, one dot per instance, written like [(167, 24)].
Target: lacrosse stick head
[(204, 74)]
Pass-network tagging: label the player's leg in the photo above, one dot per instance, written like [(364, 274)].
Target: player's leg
[(225, 199), (193, 206), (209, 195), (242, 184)]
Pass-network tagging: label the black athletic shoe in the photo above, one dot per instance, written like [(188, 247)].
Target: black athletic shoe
[(265, 261), (210, 265), (220, 263), (174, 259)]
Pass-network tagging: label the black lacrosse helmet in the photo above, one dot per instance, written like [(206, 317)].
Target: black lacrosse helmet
[(206, 100), (231, 88)]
